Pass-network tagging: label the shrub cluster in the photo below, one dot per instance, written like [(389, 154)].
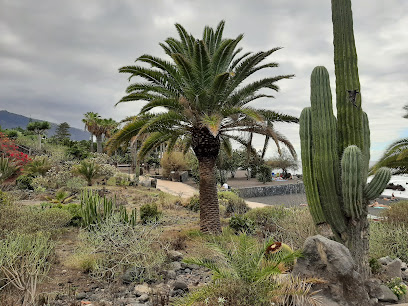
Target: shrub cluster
[(115, 247)]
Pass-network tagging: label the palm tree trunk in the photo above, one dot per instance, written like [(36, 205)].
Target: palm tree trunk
[(209, 209), (206, 148), (99, 143), (91, 148)]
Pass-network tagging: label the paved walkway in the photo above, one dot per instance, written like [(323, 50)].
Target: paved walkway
[(186, 191)]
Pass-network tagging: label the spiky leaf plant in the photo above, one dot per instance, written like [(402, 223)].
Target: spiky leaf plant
[(244, 273)]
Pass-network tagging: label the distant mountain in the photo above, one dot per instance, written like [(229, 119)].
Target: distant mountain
[(10, 121)]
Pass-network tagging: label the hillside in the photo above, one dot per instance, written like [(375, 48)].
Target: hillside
[(10, 120)]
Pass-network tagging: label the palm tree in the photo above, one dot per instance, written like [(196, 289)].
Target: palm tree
[(205, 101), (103, 127), (90, 124), (396, 155)]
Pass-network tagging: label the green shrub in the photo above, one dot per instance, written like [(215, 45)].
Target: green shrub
[(194, 203), (242, 224), (49, 220), (74, 210), (5, 199), (76, 183), (375, 266), (120, 247), (398, 213), (149, 213), (289, 225), (25, 182), (267, 218), (174, 161), (387, 239), (264, 173), (232, 202), (24, 261)]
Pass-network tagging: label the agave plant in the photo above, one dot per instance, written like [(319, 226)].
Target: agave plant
[(7, 168)]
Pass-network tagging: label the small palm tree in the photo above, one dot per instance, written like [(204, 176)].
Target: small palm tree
[(244, 265), (38, 166), (205, 101), (88, 169)]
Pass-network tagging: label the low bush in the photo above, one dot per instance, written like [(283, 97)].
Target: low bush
[(174, 161), (76, 183), (398, 213), (232, 202), (387, 239), (241, 224), (25, 182), (27, 220), (149, 213), (264, 174), (120, 247), (194, 203), (289, 225), (24, 262), (267, 218)]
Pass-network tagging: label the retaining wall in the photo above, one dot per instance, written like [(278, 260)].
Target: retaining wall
[(265, 191)]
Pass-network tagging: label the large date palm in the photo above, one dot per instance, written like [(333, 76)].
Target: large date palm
[(205, 103)]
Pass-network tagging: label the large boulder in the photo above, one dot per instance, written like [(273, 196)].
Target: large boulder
[(332, 262)]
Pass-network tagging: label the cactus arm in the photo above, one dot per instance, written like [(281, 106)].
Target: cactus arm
[(377, 184), (366, 147), (349, 117), (309, 180), (352, 182), (325, 157)]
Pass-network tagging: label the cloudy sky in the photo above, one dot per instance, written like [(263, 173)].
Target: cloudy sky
[(60, 59)]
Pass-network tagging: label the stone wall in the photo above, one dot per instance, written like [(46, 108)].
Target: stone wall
[(265, 191)]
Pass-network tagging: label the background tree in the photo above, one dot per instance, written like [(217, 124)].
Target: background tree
[(90, 121), (406, 110), (284, 161), (62, 134), (205, 99), (38, 128)]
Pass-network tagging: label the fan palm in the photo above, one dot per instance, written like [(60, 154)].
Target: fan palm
[(204, 101), (90, 124)]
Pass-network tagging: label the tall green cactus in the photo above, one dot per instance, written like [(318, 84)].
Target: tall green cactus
[(336, 152)]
